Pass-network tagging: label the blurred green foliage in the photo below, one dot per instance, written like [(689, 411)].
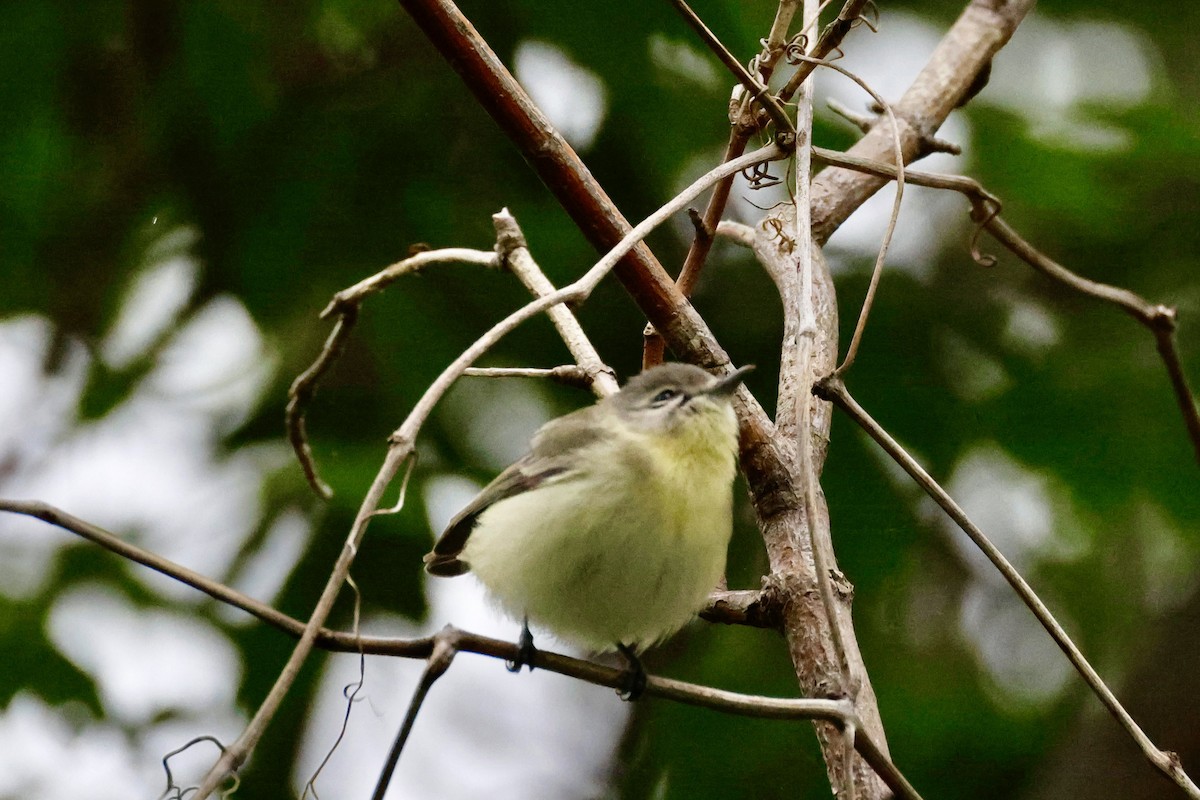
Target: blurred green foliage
[(312, 143)]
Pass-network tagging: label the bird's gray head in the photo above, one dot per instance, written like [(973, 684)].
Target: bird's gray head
[(666, 396)]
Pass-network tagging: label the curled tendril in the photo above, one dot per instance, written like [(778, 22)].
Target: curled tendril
[(796, 46), (869, 16), (983, 213), (753, 67), (176, 792), (759, 176), (786, 243)]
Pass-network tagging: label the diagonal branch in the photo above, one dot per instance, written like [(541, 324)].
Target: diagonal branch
[(832, 388), (743, 126), (757, 89), (967, 48), (829, 41), (1159, 319)]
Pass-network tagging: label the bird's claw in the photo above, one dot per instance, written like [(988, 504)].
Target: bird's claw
[(633, 679), (525, 651)]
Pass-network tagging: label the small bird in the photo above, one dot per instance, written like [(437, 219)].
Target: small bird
[(613, 530)]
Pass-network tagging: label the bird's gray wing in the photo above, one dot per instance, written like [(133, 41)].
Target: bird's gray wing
[(549, 459)]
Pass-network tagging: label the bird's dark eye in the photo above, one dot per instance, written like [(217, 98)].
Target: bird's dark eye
[(663, 396)]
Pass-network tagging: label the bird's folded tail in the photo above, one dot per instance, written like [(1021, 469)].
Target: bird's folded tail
[(445, 565)]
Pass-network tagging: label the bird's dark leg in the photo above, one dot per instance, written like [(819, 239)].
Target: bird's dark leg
[(525, 651), (633, 680)]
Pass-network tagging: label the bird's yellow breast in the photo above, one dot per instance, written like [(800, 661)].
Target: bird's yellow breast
[(623, 550)]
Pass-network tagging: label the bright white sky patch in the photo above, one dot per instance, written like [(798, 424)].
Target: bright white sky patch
[(678, 59), (265, 570), (157, 296), (1030, 519), (218, 363), (44, 756), (1012, 646), (145, 661), (1052, 71), (1022, 511), (572, 96), (1031, 329), (496, 417), (150, 469)]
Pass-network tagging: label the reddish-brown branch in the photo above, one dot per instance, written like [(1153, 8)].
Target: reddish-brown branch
[(981, 30), (653, 347), (555, 162)]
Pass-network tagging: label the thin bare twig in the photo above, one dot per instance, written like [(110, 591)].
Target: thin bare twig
[(174, 791), (354, 295), (435, 667), (577, 291), (510, 243), (349, 691), (301, 393), (743, 125), (776, 39), (737, 232), (1159, 319), (831, 37), (653, 346), (832, 388), (461, 641), (759, 91), (898, 155), (346, 305), (566, 374)]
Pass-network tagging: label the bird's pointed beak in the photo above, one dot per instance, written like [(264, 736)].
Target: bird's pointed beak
[(729, 384)]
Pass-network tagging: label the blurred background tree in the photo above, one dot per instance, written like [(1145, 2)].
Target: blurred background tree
[(182, 188)]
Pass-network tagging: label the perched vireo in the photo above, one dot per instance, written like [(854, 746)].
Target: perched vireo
[(613, 529)]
